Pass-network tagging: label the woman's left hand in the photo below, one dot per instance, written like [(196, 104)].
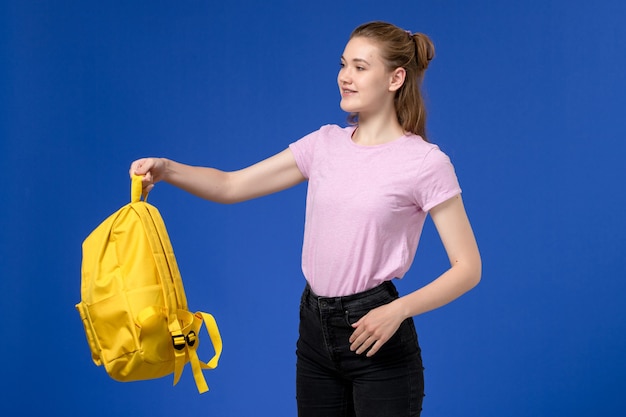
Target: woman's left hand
[(374, 329)]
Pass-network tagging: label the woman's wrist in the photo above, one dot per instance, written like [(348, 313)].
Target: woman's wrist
[(403, 307)]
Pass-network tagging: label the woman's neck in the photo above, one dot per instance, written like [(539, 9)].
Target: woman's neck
[(377, 130)]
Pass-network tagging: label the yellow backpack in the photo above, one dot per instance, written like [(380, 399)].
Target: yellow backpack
[(133, 304)]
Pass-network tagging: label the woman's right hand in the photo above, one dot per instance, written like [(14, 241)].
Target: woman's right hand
[(152, 170)]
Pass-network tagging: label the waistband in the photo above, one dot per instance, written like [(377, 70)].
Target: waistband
[(387, 290)]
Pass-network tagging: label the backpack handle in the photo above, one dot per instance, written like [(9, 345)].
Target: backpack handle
[(136, 189)]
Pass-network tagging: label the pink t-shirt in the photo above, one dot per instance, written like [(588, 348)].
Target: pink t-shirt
[(366, 206)]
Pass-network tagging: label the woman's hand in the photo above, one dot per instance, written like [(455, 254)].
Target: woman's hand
[(152, 170), (374, 329)]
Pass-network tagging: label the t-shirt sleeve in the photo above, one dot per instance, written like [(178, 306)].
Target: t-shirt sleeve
[(303, 151), (437, 181)]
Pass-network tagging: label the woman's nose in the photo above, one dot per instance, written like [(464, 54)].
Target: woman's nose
[(343, 76)]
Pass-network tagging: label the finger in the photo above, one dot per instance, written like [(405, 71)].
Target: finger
[(147, 179), (142, 166), (354, 344), (369, 342), (362, 341), (358, 335), (134, 168), (375, 348), (358, 330), (355, 335)]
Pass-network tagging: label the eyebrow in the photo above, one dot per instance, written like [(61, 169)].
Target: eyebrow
[(361, 60)]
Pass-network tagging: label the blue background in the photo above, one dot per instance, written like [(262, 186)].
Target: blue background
[(527, 98)]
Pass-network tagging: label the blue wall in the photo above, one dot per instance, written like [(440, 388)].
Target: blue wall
[(528, 99)]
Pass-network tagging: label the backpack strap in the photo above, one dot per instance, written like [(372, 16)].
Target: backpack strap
[(136, 189), (168, 271), (185, 340), (196, 364)]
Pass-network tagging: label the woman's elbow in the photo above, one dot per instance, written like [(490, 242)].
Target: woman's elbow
[(470, 272), (475, 271)]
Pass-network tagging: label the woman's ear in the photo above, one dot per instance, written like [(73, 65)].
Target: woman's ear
[(397, 79)]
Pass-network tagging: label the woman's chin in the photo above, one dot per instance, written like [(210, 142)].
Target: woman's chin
[(346, 107)]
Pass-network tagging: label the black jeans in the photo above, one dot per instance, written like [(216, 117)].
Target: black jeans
[(332, 381)]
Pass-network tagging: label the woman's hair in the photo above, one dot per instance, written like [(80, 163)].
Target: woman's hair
[(411, 51)]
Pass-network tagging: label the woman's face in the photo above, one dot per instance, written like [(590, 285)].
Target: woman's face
[(363, 79)]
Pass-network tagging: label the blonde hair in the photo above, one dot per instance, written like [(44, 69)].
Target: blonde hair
[(402, 49)]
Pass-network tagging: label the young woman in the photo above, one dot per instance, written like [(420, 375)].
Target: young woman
[(370, 187)]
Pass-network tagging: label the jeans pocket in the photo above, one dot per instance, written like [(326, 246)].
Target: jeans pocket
[(351, 316), (357, 310)]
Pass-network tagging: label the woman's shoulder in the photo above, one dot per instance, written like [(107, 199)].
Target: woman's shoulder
[(326, 134), (335, 130), (422, 147)]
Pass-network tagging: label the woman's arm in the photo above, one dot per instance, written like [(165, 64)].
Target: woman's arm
[(454, 228), (273, 174), (465, 270)]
